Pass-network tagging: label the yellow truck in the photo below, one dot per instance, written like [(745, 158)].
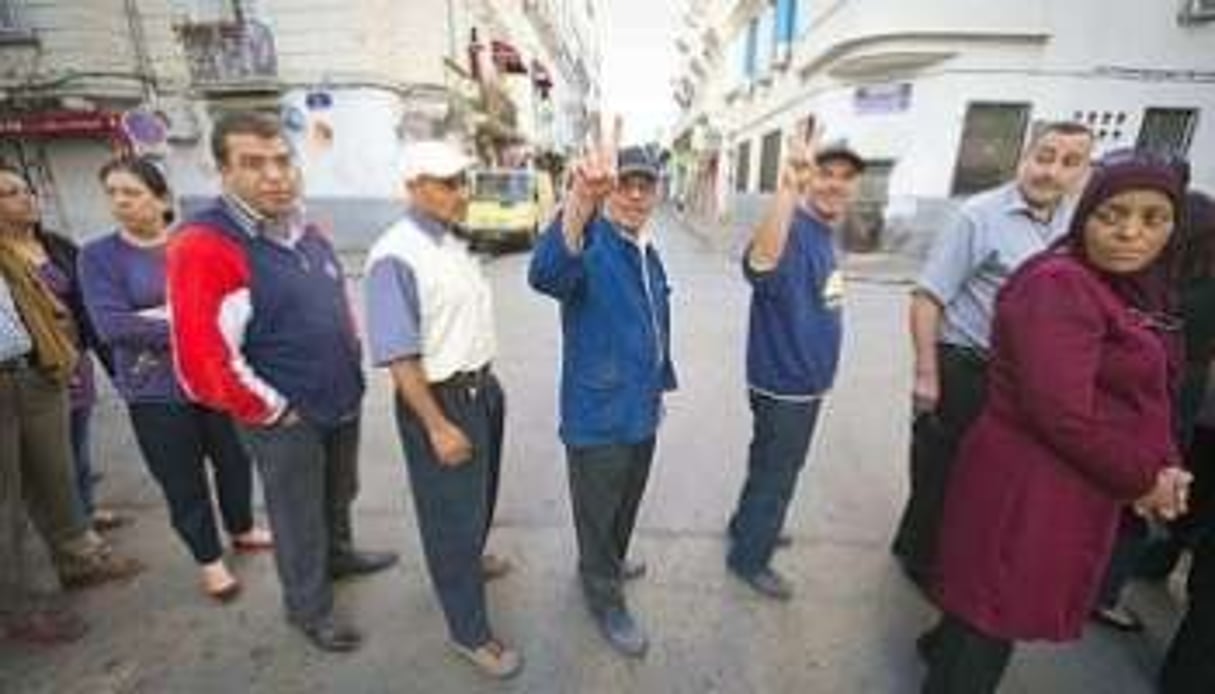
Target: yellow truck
[(507, 207)]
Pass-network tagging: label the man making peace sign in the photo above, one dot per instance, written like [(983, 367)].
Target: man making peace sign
[(793, 344), (598, 261)]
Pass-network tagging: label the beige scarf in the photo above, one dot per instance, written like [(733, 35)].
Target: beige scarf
[(47, 320)]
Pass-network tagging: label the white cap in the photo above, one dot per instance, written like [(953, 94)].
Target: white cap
[(434, 158)]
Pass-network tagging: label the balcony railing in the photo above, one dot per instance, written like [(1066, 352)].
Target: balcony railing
[(230, 56)]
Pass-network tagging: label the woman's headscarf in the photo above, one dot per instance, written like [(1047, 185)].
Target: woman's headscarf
[(1150, 289)]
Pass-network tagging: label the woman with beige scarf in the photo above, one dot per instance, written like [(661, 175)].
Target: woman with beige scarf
[(37, 357)]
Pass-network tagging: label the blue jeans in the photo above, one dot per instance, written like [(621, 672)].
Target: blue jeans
[(780, 438), (82, 459), (455, 505)]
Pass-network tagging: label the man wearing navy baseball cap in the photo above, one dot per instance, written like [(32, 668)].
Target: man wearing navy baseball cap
[(598, 261)]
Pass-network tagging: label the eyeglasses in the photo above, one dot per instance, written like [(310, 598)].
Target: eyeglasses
[(452, 183), (636, 185)]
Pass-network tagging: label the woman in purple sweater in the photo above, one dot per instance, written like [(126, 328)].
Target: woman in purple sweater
[(124, 291), (1078, 426)]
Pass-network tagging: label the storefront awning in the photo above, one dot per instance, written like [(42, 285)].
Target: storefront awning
[(51, 124)]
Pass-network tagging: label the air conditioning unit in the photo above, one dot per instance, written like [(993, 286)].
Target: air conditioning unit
[(1194, 11)]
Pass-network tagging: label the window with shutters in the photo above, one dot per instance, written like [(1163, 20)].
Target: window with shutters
[(1167, 130), (742, 168), (992, 136)]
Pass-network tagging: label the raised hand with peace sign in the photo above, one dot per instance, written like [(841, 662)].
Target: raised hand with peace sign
[(592, 179), (797, 172), (799, 166)]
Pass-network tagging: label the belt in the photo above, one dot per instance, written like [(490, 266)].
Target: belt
[(24, 361), (463, 380), (973, 355)]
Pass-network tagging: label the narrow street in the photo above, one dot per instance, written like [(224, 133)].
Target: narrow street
[(848, 630)]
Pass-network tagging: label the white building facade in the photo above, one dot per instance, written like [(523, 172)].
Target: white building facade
[(352, 79), (938, 96)]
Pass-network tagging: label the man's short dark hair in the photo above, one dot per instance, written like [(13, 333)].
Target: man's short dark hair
[(261, 124), (1057, 127)]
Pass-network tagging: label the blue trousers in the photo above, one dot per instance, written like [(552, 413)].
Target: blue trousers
[(178, 440), (82, 458), (455, 504), (780, 439)]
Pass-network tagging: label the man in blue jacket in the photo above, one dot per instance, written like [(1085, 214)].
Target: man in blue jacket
[(793, 345), (598, 261)]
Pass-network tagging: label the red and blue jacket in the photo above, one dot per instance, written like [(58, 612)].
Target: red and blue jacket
[(261, 325)]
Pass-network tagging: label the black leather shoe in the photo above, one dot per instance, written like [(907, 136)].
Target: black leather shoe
[(622, 632), (767, 583), (331, 637), (356, 563), (632, 569)]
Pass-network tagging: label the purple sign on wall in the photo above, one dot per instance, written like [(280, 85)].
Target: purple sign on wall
[(882, 98)]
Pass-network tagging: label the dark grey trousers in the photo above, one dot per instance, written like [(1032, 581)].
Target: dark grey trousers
[(606, 486), (310, 476)]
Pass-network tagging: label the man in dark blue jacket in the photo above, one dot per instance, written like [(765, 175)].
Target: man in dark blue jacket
[(598, 261), (793, 345)]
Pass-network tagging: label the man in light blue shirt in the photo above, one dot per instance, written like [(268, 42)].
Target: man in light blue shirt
[(951, 315)]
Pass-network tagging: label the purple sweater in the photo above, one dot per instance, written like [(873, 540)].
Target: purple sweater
[(120, 281), (82, 390)]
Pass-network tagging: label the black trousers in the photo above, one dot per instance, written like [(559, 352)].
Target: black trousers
[(962, 660), (1189, 666), (606, 486), (177, 440), (935, 438)]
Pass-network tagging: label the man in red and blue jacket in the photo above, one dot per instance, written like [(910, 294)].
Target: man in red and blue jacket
[(262, 330)]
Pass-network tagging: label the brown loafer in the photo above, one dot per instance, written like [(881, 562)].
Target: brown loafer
[(494, 566), (492, 658)]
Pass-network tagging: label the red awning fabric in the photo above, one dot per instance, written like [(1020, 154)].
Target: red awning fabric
[(51, 124), (507, 58)]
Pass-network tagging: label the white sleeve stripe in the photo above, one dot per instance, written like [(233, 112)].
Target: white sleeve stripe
[(235, 311)]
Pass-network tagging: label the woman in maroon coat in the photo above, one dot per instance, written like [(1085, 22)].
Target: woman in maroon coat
[(1078, 425)]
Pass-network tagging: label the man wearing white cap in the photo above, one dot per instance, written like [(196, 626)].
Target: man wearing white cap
[(430, 323)]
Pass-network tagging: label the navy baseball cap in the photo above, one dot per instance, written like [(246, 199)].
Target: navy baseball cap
[(636, 161)]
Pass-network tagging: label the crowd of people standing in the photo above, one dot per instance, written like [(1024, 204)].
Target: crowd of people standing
[(1063, 341)]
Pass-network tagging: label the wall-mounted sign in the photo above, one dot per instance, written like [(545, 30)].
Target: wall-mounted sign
[(882, 98), (61, 124), (318, 101)]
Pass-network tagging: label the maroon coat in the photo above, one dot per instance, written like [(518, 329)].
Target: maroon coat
[(1077, 424)]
